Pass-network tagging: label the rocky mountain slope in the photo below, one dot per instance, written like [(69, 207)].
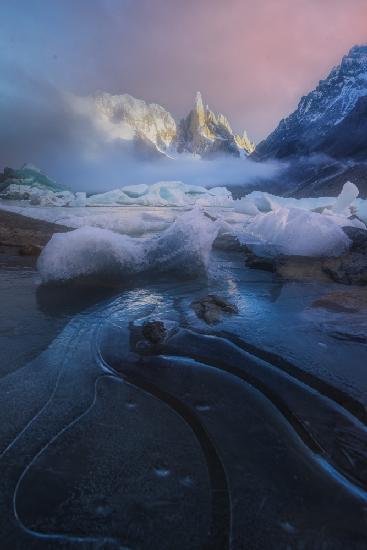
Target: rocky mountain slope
[(327, 118), (348, 139)]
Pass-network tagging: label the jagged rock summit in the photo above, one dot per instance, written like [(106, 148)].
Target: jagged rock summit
[(205, 133), (150, 126)]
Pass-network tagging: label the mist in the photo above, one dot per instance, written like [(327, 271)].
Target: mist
[(40, 126)]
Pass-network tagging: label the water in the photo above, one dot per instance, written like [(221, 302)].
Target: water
[(249, 433)]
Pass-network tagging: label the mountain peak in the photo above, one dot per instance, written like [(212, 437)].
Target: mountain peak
[(321, 110), (358, 49), (130, 120), (199, 101), (207, 133), (200, 109)]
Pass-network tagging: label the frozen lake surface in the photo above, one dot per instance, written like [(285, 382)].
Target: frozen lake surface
[(248, 433)]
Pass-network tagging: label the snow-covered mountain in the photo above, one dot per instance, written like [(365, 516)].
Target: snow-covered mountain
[(313, 126), (205, 133), (122, 117)]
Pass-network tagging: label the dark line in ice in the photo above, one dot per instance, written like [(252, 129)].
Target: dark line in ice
[(45, 405), (347, 481), (347, 402), (219, 534), (220, 521), (59, 536)]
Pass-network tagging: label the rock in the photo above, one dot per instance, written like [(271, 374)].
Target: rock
[(342, 314), (211, 308), (30, 250), (351, 268), (259, 262), (300, 268), (228, 241), (358, 237), (154, 331), (344, 301)]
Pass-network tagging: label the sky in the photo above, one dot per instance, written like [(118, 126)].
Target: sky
[(251, 59)]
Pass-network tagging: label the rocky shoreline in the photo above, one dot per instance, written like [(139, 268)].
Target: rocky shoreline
[(24, 236), (349, 268)]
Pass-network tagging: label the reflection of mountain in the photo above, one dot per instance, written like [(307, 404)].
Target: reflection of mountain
[(153, 129)]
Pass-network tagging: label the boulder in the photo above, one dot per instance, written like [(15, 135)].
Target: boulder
[(350, 268), (30, 250), (154, 331), (343, 301), (212, 308)]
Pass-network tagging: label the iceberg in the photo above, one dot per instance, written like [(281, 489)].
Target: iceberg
[(266, 202), (40, 196), (100, 254), (293, 231), (246, 206), (348, 195), (360, 206), (163, 193)]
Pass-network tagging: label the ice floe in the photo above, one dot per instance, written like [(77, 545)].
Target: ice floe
[(293, 231), (163, 193), (101, 254)]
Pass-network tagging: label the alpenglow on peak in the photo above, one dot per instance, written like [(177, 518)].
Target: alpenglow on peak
[(206, 133), (125, 118)]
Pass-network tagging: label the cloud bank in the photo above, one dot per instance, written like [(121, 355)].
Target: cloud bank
[(40, 126)]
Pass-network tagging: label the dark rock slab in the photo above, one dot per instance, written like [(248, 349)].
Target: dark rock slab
[(212, 308)]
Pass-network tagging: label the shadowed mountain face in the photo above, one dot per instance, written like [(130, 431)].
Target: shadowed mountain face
[(325, 138), (329, 119), (349, 137)]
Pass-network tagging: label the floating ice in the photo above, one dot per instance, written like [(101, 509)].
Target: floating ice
[(266, 202), (39, 196), (163, 193), (347, 196), (90, 252), (245, 206), (293, 231), (360, 206)]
